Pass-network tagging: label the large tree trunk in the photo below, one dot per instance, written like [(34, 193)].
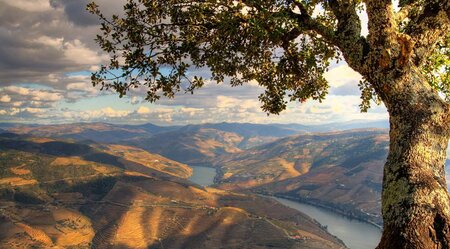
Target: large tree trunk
[(415, 200)]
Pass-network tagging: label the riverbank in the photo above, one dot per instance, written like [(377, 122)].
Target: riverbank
[(346, 211), (350, 214), (354, 233)]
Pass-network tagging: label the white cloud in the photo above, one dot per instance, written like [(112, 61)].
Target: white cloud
[(56, 43), (29, 5), (85, 87), (79, 53), (17, 90), (226, 102), (143, 110), (40, 95), (33, 110), (81, 86), (15, 96), (5, 99), (17, 103), (342, 75), (135, 100)]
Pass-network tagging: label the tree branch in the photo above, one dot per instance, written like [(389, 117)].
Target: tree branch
[(406, 8), (382, 23), (347, 37), (427, 26), (306, 22), (389, 49), (350, 41)]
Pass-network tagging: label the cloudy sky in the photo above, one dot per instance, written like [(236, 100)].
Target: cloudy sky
[(47, 53)]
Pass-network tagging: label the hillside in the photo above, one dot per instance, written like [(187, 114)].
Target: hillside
[(198, 146), (253, 134), (341, 170), (60, 194), (99, 132), (125, 157)]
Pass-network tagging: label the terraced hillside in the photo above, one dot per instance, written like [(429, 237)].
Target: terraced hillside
[(339, 170), (251, 134), (99, 132), (191, 147), (58, 194)]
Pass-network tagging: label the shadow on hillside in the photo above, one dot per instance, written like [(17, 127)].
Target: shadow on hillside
[(59, 148)]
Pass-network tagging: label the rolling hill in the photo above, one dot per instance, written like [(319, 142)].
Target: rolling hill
[(252, 134), (99, 132), (61, 194), (191, 147), (339, 170)]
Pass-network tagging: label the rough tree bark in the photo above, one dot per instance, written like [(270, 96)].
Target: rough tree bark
[(415, 200)]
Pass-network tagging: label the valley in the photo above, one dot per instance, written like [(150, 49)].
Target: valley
[(355, 234), (197, 182), (62, 194), (339, 170)]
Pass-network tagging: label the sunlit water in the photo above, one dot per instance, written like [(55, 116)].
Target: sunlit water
[(354, 233), (203, 176)]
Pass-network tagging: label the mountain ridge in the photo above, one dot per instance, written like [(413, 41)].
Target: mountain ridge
[(54, 197)]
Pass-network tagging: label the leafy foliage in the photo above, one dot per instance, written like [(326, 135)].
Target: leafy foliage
[(284, 46), (437, 68), (157, 42)]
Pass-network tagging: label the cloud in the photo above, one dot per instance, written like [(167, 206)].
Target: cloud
[(5, 99), (143, 110), (342, 75), (226, 102), (79, 87), (343, 80), (27, 5), (40, 41), (47, 47), (77, 14), (103, 114), (14, 96), (135, 100), (80, 54)]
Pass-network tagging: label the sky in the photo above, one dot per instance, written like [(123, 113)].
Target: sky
[(48, 52)]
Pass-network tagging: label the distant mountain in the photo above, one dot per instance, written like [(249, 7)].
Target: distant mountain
[(151, 128), (337, 126), (11, 125), (342, 170), (245, 129), (253, 134), (99, 132), (59, 194), (191, 146)]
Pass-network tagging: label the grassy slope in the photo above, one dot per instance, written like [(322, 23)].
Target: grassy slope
[(191, 147), (342, 170), (71, 199)]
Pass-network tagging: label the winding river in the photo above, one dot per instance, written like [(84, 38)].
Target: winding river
[(203, 176), (355, 234)]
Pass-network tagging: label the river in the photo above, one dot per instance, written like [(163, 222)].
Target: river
[(203, 176), (355, 234)]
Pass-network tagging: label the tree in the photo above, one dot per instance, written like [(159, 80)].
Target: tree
[(286, 46)]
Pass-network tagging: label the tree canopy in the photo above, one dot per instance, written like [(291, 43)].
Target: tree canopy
[(285, 46)]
